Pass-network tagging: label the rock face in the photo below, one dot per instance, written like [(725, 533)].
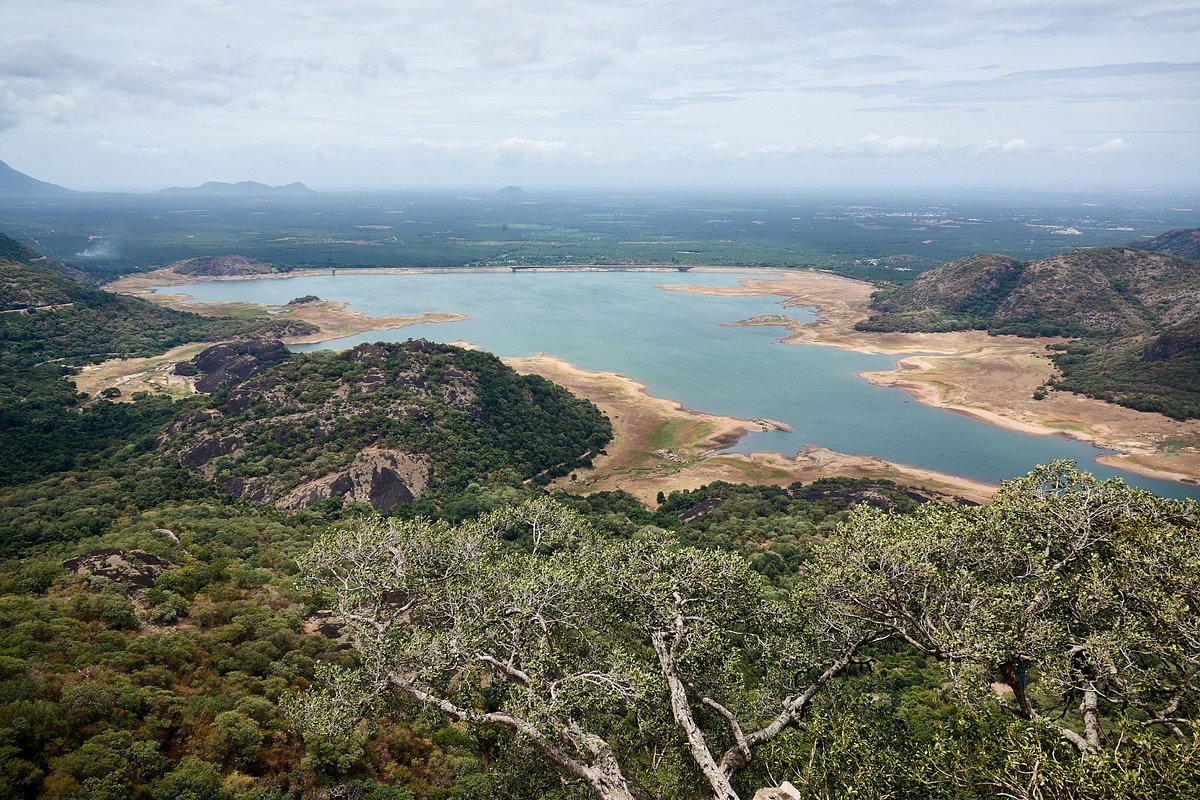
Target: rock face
[(383, 479), (784, 791), (231, 363)]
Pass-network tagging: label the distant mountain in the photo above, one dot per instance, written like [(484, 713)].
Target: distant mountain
[(1098, 292), (1182, 244), (1134, 313), (240, 189), (18, 184), (511, 191)]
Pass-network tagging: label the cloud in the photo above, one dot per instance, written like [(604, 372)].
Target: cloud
[(1006, 148), (1107, 148), (587, 69), (1133, 81), (506, 51), (380, 62), (531, 150), (874, 145)]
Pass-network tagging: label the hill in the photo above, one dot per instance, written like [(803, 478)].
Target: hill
[(1133, 311), (1101, 291), (222, 266), (378, 424), (1152, 372), (18, 184), (1182, 244), (240, 189)]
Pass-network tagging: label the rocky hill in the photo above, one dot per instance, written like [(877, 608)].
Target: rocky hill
[(222, 266), (1096, 292), (1133, 312), (1182, 243), (379, 424)]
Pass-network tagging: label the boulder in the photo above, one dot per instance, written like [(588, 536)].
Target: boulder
[(383, 479)]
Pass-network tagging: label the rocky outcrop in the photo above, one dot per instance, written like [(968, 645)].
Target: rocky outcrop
[(221, 266), (231, 363), (383, 479), (199, 454)]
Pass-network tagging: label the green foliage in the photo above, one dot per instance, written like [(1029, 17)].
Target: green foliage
[(470, 415), (1149, 373)]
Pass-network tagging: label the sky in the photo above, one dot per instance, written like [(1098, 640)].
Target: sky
[(400, 94)]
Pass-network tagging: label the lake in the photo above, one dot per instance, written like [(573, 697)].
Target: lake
[(675, 344)]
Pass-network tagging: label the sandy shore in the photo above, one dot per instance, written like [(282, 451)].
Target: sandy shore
[(658, 445)]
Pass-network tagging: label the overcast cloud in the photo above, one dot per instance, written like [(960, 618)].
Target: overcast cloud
[(400, 94)]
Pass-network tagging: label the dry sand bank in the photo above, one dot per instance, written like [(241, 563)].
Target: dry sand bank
[(660, 446)]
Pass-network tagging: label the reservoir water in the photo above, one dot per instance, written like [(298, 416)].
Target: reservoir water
[(675, 343)]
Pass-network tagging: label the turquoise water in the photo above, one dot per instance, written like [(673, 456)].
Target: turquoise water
[(675, 344)]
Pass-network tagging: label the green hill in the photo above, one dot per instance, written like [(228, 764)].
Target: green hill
[(1152, 372), (380, 424), (71, 325), (1099, 291), (1132, 310)]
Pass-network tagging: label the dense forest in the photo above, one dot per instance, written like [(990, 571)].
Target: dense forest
[(163, 636)]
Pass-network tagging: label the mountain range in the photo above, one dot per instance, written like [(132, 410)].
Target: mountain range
[(240, 189)]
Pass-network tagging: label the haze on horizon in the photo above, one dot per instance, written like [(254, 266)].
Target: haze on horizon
[(369, 94)]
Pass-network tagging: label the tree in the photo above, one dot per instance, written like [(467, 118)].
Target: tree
[(530, 619), (483, 632), (1070, 593)]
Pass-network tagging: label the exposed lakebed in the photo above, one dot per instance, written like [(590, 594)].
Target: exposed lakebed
[(676, 344)]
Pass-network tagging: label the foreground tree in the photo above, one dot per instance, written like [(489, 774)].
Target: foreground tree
[(1078, 597), (529, 619), (483, 632)]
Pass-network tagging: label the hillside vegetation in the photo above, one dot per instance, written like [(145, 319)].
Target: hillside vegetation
[(73, 325), (1182, 243), (221, 266), (1133, 312), (382, 423), (162, 640)]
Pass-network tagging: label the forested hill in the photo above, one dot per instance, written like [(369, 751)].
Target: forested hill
[(1133, 312), (1182, 243), (1101, 291), (380, 424)]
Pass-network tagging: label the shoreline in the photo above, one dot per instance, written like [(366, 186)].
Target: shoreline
[(660, 445), (988, 378)]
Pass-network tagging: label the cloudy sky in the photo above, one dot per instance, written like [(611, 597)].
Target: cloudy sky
[(117, 94)]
